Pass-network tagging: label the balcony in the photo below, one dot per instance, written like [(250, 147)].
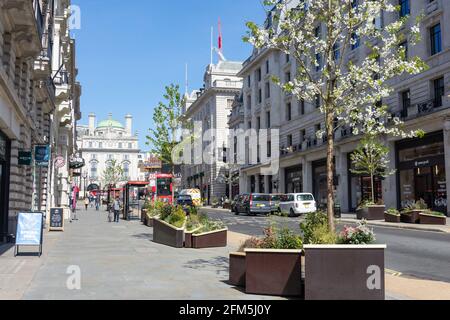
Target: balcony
[(227, 84), (418, 110)]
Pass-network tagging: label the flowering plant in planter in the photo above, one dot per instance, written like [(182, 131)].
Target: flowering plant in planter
[(274, 238), (361, 234)]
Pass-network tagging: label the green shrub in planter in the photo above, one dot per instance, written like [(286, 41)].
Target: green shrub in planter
[(361, 234), (315, 229), (274, 238), (177, 217)]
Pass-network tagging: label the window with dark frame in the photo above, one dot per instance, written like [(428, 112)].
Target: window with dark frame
[(288, 111), (259, 95), (289, 140), (439, 91), (301, 107), (317, 101), (436, 39), (267, 66), (268, 120), (404, 8), (406, 102), (404, 45), (267, 90)]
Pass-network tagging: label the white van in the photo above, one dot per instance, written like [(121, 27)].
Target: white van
[(195, 195), (297, 204)]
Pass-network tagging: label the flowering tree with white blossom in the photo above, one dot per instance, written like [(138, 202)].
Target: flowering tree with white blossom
[(320, 35)]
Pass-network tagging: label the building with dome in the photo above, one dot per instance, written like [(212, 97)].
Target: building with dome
[(105, 141)]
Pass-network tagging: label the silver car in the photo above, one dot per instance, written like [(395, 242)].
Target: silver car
[(255, 203)]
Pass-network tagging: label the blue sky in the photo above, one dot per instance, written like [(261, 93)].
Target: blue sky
[(127, 51)]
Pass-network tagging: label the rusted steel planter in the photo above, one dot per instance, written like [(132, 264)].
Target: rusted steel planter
[(344, 272), (273, 272), (213, 239), (188, 238), (411, 217), (149, 221), (237, 269), (432, 220), (164, 233), (391, 218), (371, 213), (144, 216)]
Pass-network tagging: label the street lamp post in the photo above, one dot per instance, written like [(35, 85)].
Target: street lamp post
[(85, 174)]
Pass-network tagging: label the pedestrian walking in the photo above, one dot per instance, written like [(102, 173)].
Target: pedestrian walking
[(97, 203), (116, 207), (86, 203)]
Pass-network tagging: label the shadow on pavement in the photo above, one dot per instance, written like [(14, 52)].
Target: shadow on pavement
[(143, 236), (220, 263), (5, 248)]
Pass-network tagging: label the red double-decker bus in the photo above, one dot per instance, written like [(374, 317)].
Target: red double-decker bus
[(161, 186)]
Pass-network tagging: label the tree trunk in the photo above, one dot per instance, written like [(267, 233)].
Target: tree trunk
[(373, 187), (173, 184), (330, 170)]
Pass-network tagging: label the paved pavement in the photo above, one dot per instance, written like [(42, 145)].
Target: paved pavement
[(120, 261), (415, 253)]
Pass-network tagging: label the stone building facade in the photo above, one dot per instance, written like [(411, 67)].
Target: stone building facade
[(422, 101), (210, 107), (29, 46)]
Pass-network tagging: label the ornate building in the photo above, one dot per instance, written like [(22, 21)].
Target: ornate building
[(39, 105), (101, 143)]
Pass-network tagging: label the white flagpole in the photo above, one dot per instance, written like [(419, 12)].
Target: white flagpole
[(212, 44)]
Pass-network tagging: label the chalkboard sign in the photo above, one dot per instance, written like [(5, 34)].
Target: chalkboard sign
[(56, 219), (29, 230)]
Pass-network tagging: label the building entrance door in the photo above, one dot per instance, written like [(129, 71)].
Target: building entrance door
[(424, 185)]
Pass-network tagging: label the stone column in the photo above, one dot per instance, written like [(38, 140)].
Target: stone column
[(389, 184), (447, 157), (257, 180), (342, 195), (282, 180), (307, 177)]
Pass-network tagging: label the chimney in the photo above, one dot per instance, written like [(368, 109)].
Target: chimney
[(128, 124), (91, 123)]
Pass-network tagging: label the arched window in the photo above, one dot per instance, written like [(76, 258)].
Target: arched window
[(126, 170), (94, 172)]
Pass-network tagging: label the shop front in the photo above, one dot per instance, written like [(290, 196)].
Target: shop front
[(361, 187), (294, 179), (421, 172), (319, 170), (5, 152)]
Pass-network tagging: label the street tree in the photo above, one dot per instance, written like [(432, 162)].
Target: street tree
[(113, 174), (320, 36), (168, 120), (371, 158)]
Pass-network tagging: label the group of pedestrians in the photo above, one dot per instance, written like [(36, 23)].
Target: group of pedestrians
[(92, 201)]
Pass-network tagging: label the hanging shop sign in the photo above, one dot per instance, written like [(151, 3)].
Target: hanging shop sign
[(76, 163), (60, 162), (42, 155), (25, 158)]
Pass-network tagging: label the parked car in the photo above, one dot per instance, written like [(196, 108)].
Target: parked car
[(297, 204), (275, 200), (253, 204), (186, 202), (234, 202)]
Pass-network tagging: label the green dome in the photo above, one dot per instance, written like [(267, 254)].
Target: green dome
[(110, 124)]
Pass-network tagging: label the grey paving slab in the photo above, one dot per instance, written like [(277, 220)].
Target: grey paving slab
[(120, 261)]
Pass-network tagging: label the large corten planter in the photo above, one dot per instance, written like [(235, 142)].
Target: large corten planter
[(213, 239), (227, 206), (273, 272), (432, 220), (371, 213), (391, 218), (344, 272), (188, 238), (149, 221), (144, 216), (164, 233), (411, 217), (237, 269)]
